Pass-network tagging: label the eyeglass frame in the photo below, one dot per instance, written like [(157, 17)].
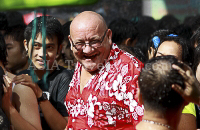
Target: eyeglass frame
[(100, 41)]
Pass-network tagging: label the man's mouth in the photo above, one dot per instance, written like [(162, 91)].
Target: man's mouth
[(90, 57), (41, 62)]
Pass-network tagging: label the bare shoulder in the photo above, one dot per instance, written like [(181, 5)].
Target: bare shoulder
[(23, 90), (22, 96)]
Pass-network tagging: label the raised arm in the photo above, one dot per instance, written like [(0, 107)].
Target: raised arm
[(22, 111), (192, 91), (54, 119)]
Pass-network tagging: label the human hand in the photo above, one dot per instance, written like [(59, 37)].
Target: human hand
[(26, 80), (192, 91), (7, 96)]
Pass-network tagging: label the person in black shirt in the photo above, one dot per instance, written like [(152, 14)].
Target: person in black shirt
[(50, 83)]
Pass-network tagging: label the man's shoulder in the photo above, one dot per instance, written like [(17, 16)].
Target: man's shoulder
[(130, 59), (61, 72)]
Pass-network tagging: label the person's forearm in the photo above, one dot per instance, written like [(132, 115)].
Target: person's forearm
[(54, 119), (17, 121)]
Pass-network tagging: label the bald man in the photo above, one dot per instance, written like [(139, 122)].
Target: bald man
[(102, 93)]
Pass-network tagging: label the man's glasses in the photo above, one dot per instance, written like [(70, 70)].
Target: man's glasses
[(95, 43)]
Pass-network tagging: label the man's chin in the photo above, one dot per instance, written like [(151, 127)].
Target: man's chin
[(40, 67), (90, 68)]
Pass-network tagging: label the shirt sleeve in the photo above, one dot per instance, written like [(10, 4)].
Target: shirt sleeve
[(62, 91), (189, 109)]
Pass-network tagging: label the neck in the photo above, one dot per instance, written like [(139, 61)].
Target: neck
[(21, 69), (160, 121), (40, 73)]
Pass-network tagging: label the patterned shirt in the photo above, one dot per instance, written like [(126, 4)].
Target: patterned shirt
[(108, 100)]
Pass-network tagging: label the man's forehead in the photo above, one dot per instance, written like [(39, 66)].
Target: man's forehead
[(87, 32), (87, 19)]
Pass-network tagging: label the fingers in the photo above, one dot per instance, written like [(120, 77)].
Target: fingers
[(178, 89), (30, 84), (22, 78), (7, 81), (4, 89), (181, 71)]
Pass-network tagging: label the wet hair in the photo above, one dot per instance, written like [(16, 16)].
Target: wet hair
[(17, 34), (155, 82), (2, 49), (66, 31), (53, 28), (122, 29), (168, 35)]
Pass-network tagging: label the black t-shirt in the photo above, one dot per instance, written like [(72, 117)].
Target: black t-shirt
[(58, 85)]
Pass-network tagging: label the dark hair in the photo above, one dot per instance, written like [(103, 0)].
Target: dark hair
[(53, 28), (168, 22), (195, 23), (168, 35), (195, 39), (155, 82), (14, 18), (146, 26), (122, 29), (2, 49), (17, 34), (66, 31), (183, 31), (3, 21), (197, 58)]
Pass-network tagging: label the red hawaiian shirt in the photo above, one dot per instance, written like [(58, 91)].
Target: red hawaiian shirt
[(108, 100)]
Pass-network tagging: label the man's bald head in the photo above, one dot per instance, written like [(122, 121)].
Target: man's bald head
[(88, 19), (90, 27)]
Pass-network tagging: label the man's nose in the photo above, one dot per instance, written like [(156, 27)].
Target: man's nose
[(40, 52), (87, 48)]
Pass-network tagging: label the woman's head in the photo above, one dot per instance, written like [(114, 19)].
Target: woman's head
[(166, 42)]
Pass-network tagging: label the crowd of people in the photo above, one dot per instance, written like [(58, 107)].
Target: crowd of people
[(87, 74)]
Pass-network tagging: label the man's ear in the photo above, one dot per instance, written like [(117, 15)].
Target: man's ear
[(151, 52), (109, 34), (25, 45), (140, 97), (70, 40)]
